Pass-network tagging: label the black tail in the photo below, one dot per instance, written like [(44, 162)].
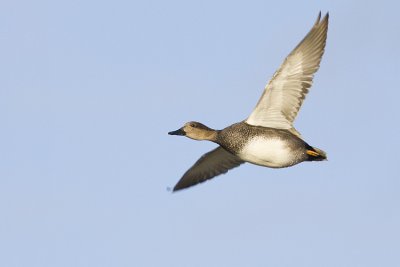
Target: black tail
[(315, 154)]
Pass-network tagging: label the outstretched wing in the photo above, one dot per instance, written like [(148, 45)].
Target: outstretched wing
[(285, 92), (211, 164)]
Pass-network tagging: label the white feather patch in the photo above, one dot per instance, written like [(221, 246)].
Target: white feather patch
[(270, 152)]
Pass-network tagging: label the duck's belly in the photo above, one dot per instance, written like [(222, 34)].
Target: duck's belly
[(270, 152)]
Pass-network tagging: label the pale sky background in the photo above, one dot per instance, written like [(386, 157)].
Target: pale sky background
[(89, 90)]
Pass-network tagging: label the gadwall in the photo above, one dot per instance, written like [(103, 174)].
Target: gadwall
[(267, 137)]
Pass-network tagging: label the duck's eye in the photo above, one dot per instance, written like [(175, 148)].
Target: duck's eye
[(193, 125)]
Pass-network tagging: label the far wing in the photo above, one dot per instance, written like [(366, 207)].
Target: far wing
[(211, 164)]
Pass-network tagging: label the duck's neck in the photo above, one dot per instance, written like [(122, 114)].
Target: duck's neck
[(210, 135)]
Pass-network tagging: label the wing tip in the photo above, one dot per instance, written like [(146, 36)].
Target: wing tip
[(324, 20), (179, 186), (318, 18)]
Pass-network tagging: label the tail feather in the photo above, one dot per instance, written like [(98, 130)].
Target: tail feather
[(316, 154)]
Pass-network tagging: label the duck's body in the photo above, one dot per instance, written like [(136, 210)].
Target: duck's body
[(274, 148), (267, 137)]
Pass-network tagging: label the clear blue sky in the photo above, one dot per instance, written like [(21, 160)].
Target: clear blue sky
[(89, 90)]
